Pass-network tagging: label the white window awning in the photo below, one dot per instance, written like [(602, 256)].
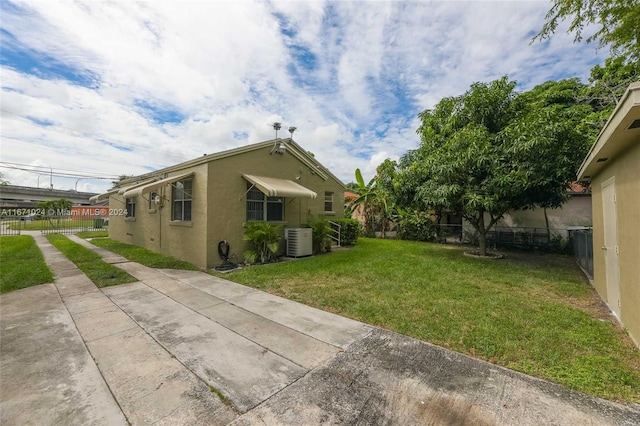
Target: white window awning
[(104, 195), (149, 187), (274, 187)]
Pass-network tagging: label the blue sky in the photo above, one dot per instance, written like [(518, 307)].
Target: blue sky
[(127, 87)]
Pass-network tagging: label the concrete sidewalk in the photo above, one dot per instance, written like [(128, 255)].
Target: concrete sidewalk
[(159, 344)]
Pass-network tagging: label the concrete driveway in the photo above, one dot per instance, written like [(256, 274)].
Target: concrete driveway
[(165, 349)]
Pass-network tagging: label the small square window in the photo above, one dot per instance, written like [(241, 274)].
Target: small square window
[(152, 203), (328, 201), (131, 207)]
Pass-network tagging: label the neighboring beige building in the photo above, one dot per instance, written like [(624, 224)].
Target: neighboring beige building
[(576, 211), (613, 169), (185, 210)]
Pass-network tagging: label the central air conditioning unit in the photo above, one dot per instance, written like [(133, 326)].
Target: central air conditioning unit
[(299, 242)]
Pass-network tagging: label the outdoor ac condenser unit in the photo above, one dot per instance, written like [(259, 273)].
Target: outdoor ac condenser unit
[(299, 242)]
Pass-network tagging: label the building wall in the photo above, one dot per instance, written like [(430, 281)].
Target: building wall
[(627, 184), (575, 212), (219, 207), (152, 228), (227, 196)]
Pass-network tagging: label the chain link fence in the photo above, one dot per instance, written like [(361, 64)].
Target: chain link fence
[(582, 243)]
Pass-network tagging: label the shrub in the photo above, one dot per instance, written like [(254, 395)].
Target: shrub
[(349, 231), (320, 232), (264, 240), (416, 226)]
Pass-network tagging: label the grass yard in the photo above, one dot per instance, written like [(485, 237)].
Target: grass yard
[(89, 262), (93, 234), (21, 263), (531, 313), (142, 255), (38, 225)]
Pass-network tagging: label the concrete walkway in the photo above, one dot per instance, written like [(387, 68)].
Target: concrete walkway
[(160, 343)]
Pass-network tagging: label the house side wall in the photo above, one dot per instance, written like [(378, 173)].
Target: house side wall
[(575, 212), (627, 185), (227, 196), (153, 229)]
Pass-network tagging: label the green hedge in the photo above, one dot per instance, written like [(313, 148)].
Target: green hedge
[(416, 226), (349, 231)]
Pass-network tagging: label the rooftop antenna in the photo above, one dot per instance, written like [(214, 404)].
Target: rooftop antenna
[(277, 126), (280, 149), (291, 130)]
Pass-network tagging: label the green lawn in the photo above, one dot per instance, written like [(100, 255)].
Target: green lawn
[(93, 234), (21, 263), (142, 255), (531, 313), (89, 262), (38, 225)]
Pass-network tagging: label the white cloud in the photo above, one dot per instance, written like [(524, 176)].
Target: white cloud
[(352, 76)]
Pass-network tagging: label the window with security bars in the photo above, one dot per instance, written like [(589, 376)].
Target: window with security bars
[(328, 201), (181, 196), (263, 208)]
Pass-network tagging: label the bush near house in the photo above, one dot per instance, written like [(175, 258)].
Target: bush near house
[(320, 233), (349, 230), (264, 240)]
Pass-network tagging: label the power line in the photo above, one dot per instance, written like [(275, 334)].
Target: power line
[(49, 171), (61, 171)]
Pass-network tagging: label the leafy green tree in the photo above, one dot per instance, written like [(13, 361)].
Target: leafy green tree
[(490, 151), (606, 86), (3, 181), (55, 209), (619, 22)]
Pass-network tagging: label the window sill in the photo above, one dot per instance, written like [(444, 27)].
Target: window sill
[(329, 213), (151, 211), (129, 219), (188, 224)]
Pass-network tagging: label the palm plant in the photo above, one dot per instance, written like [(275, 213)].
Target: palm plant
[(376, 205), (320, 232), (264, 240)]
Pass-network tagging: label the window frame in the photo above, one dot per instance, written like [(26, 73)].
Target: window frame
[(187, 198), (264, 202), (152, 196), (331, 201), (130, 207)]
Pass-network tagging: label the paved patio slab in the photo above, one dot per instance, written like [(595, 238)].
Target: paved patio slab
[(46, 374), (245, 372), (386, 378)]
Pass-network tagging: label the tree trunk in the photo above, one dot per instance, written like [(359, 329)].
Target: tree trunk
[(546, 221), (482, 235)]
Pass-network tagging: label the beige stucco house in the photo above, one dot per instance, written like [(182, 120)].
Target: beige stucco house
[(613, 169), (187, 209)]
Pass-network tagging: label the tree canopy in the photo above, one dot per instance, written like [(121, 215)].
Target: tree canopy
[(619, 22), (492, 150)]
